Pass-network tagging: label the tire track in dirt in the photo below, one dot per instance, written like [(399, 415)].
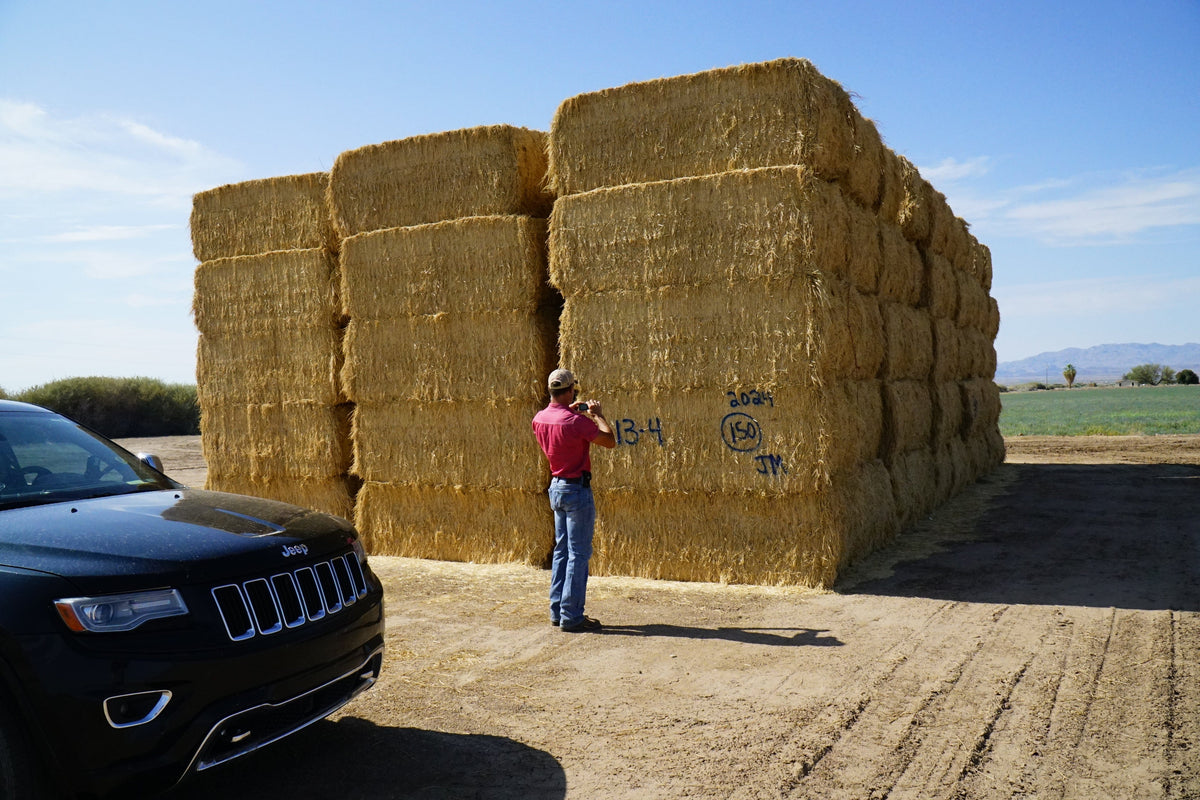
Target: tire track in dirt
[(870, 757)]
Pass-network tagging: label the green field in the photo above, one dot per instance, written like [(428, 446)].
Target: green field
[(1106, 412)]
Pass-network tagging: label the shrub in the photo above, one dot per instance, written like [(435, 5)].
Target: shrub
[(122, 407), (1187, 377)]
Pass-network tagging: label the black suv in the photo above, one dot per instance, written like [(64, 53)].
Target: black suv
[(148, 630)]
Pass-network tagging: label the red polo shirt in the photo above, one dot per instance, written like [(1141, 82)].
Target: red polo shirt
[(565, 437)]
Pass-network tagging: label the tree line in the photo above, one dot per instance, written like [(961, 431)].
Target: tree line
[(1151, 374), (120, 407)]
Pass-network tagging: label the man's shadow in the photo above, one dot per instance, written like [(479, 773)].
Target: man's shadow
[(776, 637)]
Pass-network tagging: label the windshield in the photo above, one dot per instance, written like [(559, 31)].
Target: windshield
[(45, 458)]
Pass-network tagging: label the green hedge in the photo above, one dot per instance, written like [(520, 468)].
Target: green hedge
[(122, 407)]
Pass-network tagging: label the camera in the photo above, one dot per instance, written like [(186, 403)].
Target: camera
[(581, 408)]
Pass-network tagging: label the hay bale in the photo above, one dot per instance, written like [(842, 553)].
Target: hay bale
[(241, 219), (744, 538), (962, 246), (914, 483), (731, 228), (276, 440), (892, 187), (865, 255), (907, 417), (954, 471), (759, 332), (977, 355), (484, 445), (992, 327), (789, 440), (948, 364), (981, 407), (455, 523), (475, 264), (756, 115), (270, 361), (902, 273), (494, 170), (908, 342), (298, 286), (917, 204), (466, 357), (332, 495), (864, 177), (941, 287), (981, 265), (947, 412), (943, 231), (985, 452), (974, 311)]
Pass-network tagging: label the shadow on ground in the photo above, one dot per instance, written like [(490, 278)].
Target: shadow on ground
[(776, 637), (354, 759), (1122, 536)]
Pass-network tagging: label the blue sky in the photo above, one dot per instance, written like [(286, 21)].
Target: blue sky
[(1066, 133)]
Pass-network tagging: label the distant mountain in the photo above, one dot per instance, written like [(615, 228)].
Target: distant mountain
[(1102, 363)]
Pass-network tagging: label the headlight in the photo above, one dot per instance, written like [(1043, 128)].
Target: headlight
[(119, 612)]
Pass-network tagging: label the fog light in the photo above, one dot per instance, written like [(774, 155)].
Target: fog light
[(128, 710)]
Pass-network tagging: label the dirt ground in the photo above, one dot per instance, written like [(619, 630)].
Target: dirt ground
[(1037, 637)]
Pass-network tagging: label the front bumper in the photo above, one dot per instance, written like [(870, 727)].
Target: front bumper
[(225, 702)]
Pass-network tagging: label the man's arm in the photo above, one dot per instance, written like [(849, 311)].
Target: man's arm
[(606, 437)]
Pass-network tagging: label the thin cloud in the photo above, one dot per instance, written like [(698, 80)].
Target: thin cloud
[(1114, 213), (108, 233), (103, 154), (1084, 210), (1091, 297), (951, 170)]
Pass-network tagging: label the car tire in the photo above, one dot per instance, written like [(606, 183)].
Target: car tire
[(20, 775)]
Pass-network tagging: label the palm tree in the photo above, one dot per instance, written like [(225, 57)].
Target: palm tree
[(1069, 374)]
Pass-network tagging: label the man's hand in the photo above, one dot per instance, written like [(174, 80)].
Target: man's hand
[(607, 437)]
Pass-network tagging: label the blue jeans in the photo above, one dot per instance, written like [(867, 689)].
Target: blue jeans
[(574, 524)]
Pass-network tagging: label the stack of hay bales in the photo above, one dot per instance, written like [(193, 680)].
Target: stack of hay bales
[(273, 418), (452, 330), (790, 328)]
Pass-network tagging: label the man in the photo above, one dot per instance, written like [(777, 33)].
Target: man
[(565, 429)]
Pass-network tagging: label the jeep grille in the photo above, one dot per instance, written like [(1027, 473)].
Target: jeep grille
[(262, 606)]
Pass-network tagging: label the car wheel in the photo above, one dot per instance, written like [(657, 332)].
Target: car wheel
[(20, 776)]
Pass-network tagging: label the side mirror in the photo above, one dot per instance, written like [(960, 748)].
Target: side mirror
[(151, 460)]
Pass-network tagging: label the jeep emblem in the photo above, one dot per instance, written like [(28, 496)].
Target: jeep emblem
[(295, 550)]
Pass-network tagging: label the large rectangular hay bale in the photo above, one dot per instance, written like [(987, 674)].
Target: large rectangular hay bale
[(271, 361), (902, 273), (776, 113), (941, 287), (474, 264), (731, 228), (789, 440), (455, 523), (745, 538), (261, 216), (276, 440), (914, 483), (907, 417), (476, 444), (757, 332), (288, 285), (452, 356), (908, 338), (473, 172)]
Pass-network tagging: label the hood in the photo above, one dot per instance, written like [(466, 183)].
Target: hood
[(172, 534)]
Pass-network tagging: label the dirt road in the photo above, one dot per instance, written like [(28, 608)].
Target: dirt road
[(1038, 637)]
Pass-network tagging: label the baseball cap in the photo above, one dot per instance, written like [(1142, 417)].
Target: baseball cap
[(561, 379)]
